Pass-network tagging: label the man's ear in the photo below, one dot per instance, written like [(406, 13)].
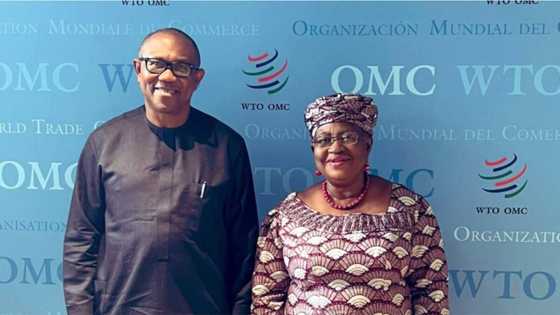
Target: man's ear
[(198, 75), (137, 64)]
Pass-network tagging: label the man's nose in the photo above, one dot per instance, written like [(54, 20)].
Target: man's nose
[(167, 75)]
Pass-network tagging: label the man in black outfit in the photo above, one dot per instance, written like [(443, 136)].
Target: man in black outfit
[(163, 216)]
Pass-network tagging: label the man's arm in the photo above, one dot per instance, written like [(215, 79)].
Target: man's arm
[(242, 228), (83, 232)]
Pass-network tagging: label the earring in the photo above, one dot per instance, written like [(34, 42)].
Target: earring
[(317, 173), (366, 168)]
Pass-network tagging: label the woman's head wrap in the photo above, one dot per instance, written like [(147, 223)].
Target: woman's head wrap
[(350, 108)]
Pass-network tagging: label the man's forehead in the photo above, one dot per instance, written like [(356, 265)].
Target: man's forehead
[(166, 40)]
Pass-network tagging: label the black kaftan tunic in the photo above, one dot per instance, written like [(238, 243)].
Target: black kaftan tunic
[(162, 220)]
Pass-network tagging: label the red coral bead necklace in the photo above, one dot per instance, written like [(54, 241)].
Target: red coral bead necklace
[(348, 206)]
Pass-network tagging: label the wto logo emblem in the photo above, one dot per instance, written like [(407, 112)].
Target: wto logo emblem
[(502, 177), (264, 72)]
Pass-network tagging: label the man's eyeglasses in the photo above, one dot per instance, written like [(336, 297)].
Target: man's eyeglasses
[(158, 66), (348, 137)]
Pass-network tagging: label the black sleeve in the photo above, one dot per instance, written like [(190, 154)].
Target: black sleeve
[(242, 228), (84, 230)]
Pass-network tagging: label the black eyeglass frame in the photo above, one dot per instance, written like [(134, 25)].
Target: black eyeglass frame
[(168, 65)]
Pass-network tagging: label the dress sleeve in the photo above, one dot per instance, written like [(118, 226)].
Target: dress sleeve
[(270, 278), (428, 277), (84, 230), (242, 225)]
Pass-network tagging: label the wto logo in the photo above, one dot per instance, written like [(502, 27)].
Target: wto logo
[(264, 72), (502, 177)]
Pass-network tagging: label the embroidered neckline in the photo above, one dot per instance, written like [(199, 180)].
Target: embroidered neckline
[(397, 217)]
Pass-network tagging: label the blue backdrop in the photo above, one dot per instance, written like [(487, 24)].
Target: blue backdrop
[(468, 96)]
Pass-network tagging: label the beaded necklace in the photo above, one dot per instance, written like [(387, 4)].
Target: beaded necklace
[(329, 199)]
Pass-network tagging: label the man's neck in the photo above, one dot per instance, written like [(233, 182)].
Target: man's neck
[(165, 120)]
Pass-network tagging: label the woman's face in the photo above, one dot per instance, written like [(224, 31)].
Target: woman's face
[(341, 161)]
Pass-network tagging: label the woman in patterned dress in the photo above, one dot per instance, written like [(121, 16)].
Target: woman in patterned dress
[(355, 243)]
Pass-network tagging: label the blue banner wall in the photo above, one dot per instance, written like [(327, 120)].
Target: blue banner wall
[(467, 91)]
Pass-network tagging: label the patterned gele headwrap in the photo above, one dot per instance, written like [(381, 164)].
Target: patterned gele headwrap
[(351, 108)]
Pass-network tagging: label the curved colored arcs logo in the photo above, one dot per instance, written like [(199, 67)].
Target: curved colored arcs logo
[(506, 176), (267, 72)]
